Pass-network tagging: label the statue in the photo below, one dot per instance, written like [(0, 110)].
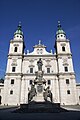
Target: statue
[(39, 63), (32, 93), (47, 93)]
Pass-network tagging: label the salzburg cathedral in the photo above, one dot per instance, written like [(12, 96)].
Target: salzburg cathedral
[(40, 75)]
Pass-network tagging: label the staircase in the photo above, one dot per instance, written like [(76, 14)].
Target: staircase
[(41, 107)]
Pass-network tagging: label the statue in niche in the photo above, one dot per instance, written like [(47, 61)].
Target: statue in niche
[(32, 93), (47, 94), (39, 63)]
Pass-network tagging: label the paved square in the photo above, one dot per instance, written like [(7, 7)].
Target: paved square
[(8, 114)]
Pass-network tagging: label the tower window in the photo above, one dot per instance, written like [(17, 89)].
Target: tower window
[(13, 69), (31, 70), (11, 92), (67, 81), (15, 49), (66, 69), (68, 91), (12, 81), (63, 48), (48, 70), (49, 82), (30, 82)]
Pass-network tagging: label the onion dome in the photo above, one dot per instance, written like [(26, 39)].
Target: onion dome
[(60, 30), (60, 34), (19, 30)]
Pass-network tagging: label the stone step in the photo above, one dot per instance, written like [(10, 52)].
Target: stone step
[(37, 107)]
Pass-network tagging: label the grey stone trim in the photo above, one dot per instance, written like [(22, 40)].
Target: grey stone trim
[(16, 41), (66, 73), (14, 74), (67, 40)]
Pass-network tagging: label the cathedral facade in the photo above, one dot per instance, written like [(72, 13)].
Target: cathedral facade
[(57, 72)]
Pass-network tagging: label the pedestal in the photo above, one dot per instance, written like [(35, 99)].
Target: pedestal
[(39, 98)]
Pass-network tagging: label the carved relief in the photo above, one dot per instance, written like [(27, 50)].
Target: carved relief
[(65, 61), (14, 62)]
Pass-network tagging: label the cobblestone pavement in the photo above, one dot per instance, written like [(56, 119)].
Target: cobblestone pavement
[(8, 114)]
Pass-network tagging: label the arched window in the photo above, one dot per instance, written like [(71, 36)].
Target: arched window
[(30, 82), (63, 48), (49, 82), (67, 81), (66, 69), (13, 69), (48, 70), (12, 81), (31, 70), (68, 91), (15, 49), (11, 92)]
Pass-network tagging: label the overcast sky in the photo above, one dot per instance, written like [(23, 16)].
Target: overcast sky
[(39, 22)]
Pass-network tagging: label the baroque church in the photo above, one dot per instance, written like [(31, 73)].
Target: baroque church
[(40, 75)]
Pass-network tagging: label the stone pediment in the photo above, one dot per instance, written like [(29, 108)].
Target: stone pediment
[(39, 49)]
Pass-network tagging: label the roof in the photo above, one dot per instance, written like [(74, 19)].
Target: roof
[(39, 45), (60, 30), (19, 30)]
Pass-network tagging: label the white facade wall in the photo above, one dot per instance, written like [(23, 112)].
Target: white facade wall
[(12, 99), (68, 99), (78, 93)]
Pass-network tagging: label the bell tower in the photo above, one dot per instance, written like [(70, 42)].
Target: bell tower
[(16, 51), (66, 74), (12, 85)]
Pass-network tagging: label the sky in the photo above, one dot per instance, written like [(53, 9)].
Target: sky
[(39, 20)]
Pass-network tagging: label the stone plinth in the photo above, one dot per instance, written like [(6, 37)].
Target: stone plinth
[(39, 97)]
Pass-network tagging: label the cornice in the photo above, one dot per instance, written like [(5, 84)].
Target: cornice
[(39, 56), (67, 40), (46, 74), (14, 74), (64, 54), (67, 73), (10, 55), (16, 41)]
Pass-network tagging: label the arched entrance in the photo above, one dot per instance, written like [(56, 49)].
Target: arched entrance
[(0, 99)]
